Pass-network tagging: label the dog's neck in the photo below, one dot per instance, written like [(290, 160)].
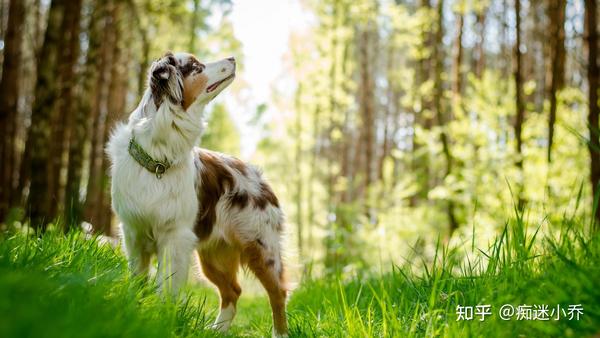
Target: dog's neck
[(167, 133)]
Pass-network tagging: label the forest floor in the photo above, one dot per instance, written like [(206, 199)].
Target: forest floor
[(67, 286)]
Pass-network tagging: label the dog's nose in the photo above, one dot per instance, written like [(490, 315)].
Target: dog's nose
[(231, 59)]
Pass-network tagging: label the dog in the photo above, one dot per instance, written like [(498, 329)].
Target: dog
[(172, 198)]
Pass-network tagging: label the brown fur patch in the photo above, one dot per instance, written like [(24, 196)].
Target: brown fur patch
[(239, 199), (220, 266), (254, 258), (265, 197), (193, 86), (215, 180), (238, 165), (190, 65)]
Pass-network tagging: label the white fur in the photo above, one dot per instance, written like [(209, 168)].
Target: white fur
[(223, 321), (157, 215)]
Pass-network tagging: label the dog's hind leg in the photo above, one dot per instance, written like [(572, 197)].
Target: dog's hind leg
[(175, 250), (220, 266), (265, 262)]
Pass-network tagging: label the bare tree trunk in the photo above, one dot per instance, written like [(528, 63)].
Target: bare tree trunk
[(77, 126), (347, 152), (458, 56), (46, 96), (438, 57), (479, 66), (93, 201), (367, 108), (520, 114), (593, 75), (420, 159), (313, 175), (388, 113), (298, 168), (10, 92), (333, 69), (116, 106), (63, 116), (556, 25)]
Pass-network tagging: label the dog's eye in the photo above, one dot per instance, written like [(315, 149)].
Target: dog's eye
[(199, 68)]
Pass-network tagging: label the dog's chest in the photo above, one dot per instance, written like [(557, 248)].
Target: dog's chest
[(142, 200)]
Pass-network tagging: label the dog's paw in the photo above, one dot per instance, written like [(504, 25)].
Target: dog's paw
[(220, 327), (280, 335)]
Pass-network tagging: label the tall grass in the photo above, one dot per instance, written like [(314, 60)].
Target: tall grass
[(518, 268), (69, 286)]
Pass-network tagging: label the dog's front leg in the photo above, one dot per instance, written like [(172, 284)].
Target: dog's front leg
[(174, 253), (138, 258)]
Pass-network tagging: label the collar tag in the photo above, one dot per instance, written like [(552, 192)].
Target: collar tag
[(159, 170), (142, 158)]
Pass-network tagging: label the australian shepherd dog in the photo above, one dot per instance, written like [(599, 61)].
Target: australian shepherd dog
[(172, 197)]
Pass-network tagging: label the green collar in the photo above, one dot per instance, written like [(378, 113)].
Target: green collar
[(156, 167)]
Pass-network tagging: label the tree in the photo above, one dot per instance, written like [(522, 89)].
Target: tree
[(77, 122), (479, 62), (593, 76), (10, 92), (458, 52), (556, 25), (115, 106), (61, 120), (438, 57), (519, 104), (93, 200), (35, 165)]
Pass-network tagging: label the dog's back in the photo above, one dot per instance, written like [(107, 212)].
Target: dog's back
[(239, 222)]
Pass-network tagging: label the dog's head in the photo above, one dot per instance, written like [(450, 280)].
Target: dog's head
[(183, 80)]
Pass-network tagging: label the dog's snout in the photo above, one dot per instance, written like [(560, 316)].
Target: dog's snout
[(232, 60)]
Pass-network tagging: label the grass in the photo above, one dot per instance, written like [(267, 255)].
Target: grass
[(67, 286)]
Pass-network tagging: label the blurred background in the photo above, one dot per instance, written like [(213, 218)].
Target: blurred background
[(385, 127)]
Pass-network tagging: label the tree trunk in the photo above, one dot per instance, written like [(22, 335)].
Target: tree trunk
[(298, 168), (116, 105), (458, 56), (556, 25), (438, 57), (593, 75), (479, 64), (78, 122), (93, 201), (367, 109), (63, 116), (46, 96), (10, 92), (420, 159), (520, 106)]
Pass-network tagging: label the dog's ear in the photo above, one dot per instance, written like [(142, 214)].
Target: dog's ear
[(163, 79)]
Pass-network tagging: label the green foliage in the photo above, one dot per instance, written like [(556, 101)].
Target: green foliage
[(222, 134), (407, 200)]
